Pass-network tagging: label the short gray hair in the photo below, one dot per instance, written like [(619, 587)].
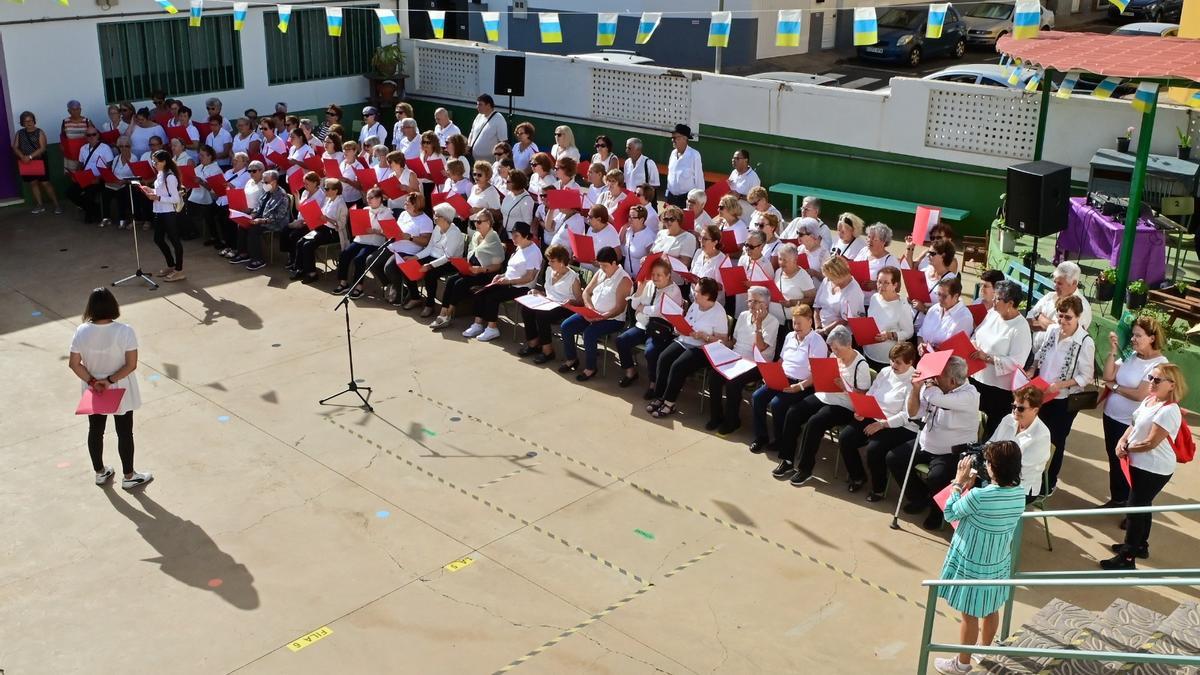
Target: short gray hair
[(760, 293), (699, 196), (807, 226), (256, 166), (634, 141), (408, 122), (1068, 270), (213, 100), (788, 250), (811, 201), (242, 156), (881, 232), (756, 234), (271, 176), (1009, 291), (841, 335), (371, 141), (956, 369), (441, 110), (445, 212)]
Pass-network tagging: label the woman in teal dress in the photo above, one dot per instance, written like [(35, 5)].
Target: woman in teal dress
[(982, 545)]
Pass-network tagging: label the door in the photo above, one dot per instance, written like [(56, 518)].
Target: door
[(10, 184), (828, 29)]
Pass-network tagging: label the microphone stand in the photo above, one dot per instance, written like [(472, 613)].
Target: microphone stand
[(344, 304), (137, 254), (908, 473)]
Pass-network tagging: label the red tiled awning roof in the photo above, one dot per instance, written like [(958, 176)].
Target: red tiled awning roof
[(1127, 56)]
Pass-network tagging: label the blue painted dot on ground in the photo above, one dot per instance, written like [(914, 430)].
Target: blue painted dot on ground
[(382, 514), (37, 313), (223, 418), (153, 378)]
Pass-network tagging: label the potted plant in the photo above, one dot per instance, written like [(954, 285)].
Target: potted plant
[(1106, 283), (1135, 297), (387, 75), (1185, 143), (1123, 141)]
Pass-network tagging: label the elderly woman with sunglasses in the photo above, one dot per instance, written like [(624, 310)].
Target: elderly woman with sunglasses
[(524, 149), (334, 214), (729, 218), (602, 232), (849, 242), (807, 236), (604, 155), (696, 199), (709, 259), (793, 282), (485, 255), (1023, 427), (518, 206), (876, 255), (671, 239), (446, 242), (607, 294), (940, 233), (564, 144), (483, 194), (636, 242), (755, 331), (541, 174), (759, 206), (757, 267)]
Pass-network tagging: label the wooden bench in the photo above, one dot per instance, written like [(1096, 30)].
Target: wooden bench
[(1186, 308), (869, 201), (1015, 271)]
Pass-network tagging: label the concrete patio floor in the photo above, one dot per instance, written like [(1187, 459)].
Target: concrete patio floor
[(601, 540)]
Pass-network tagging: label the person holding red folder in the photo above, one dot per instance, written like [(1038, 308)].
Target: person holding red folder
[(876, 255), (799, 347), (201, 207), (220, 140), (181, 128), (484, 195), (671, 240), (945, 319), (938, 266), (300, 150), (602, 232), (729, 218), (649, 328), (793, 282), (606, 295), (30, 145), (710, 259), (558, 223), (636, 240), (242, 180), (354, 257), (116, 193), (684, 356), (808, 420), (395, 168), (485, 256), (272, 143), (1003, 341), (893, 317), (839, 296), (806, 233), (757, 266), (445, 242), (335, 214), (879, 435), (166, 196), (103, 355), (92, 156), (416, 230), (518, 277), (755, 330)]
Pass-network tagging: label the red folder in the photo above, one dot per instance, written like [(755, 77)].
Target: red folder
[(412, 269), (367, 178), (943, 497), (99, 402), (437, 170), (237, 199), (680, 323), (331, 168), (729, 245), (861, 271), (866, 406), (453, 199), (360, 222), (586, 312), (217, 184), (564, 199), (583, 246), (181, 133), (313, 217), (977, 313), (620, 215), (961, 345), (931, 365), (647, 263), (581, 169), (802, 260), (391, 229), (278, 159), (864, 328), (34, 167), (1125, 470), (772, 374), (142, 170), (243, 220), (714, 193), (418, 167), (733, 280), (110, 137), (83, 178), (825, 375), (107, 175), (313, 163), (917, 285), (767, 283), (463, 266), (689, 220), (391, 188), (295, 181), (927, 217), (1020, 380), (187, 177)]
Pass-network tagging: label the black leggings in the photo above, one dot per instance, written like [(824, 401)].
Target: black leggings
[(458, 287), (725, 396), (675, 364), (116, 203), (794, 420), (854, 436), (306, 249), (1146, 486), (539, 323), (996, 404), (124, 424), (826, 418), (1118, 489), (166, 226), (488, 301), (1059, 420)]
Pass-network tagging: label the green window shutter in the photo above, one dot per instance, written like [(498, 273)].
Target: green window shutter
[(138, 57), (306, 52)]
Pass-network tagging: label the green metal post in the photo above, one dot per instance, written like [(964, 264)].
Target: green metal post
[(1135, 207), (1014, 560), (927, 630), (1040, 140)]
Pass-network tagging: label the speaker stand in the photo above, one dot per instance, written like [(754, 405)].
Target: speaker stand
[(510, 107), (1031, 260)]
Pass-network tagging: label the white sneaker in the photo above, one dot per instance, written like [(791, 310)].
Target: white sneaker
[(489, 333), (38, 209), (102, 478), (951, 666), (137, 479), (473, 330)]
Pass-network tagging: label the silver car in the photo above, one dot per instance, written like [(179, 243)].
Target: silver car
[(988, 21)]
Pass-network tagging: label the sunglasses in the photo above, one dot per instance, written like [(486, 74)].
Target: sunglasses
[(600, 145), (1065, 316), (477, 175), (558, 133), (669, 219), (750, 247), (1157, 380), (330, 188), (256, 170), (1020, 408), (92, 135)]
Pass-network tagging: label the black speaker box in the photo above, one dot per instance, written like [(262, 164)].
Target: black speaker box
[(510, 75), (1036, 200)]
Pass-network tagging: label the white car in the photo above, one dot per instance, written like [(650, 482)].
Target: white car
[(1149, 29), (988, 21), (989, 74)]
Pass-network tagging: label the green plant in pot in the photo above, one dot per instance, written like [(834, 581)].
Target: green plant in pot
[(1135, 297), (1106, 284), (1123, 141), (388, 61), (1185, 142)]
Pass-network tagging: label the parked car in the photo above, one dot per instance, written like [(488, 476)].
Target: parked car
[(1154, 11), (989, 74), (988, 21), (795, 78), (1149, 29), (902, 36)]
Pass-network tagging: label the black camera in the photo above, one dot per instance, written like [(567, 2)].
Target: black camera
[(978, 461)]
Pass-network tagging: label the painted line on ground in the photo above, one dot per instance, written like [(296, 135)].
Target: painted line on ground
[(496, 507), (603, 613), (661, 497), (510, 474)]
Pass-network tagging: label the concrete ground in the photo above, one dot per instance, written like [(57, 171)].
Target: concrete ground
[(282, 536)]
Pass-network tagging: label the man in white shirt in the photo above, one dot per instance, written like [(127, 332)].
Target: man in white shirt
[(950, 407), (488, 129), (684, 169), (407, 140), (1066, 282), (444, 127), (742, 180), (639, 169)]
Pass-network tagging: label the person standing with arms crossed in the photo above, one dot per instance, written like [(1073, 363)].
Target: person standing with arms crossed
[(104, 354)]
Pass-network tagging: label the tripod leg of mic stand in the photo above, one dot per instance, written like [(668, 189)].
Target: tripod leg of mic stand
[(357, 390), (137, 254), (904, 488)]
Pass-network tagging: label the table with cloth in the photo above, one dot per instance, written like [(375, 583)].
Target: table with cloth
[(1091, 234)]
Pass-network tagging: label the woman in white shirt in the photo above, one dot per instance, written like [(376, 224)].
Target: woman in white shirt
[(246, 140), (793, 283), (354, 258), (987, 287), (595, 187), (849, 241), (334, 211), (1030, 434), (1147, 444), (351, 187), (946, 319), (165, 195), (300, 151), (685, 355), (525, 148), (607, 294), (876, 255), (117, 197), (729, 218), (647, 302), (757, 268), (696, 199), (558, 222), (407, 177), (604, 156), (636, 241), (808, 420), (201, 202), (937, 269), (755, 331), (602, 233), (104, 355), (445, 242), (270, 141), (892, 315), (143, 129), (671, 239), (483, 194), (759, 206), (564, 144), (561, 285), (179, 153), (1126, 378), (769, 226), (114, 122), (839, 296), (709, 259), (518, 206), (518, 277), (456, 180), (1066, 359), (890, 389), (800, 345), (807, 235), (1004, 341), (416, 231), (220, 140), (613, 196)]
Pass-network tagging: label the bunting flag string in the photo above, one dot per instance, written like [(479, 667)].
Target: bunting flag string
[(1027, 19), (550, 28), (646, 26), (866, 28), (937, 19), (1120, 4), (491, 25), (787, 28), (1033, 82), (285, 15), (197, 8), (1106, 88), (718, 29), (1068, 85), (606, 30), (1145, 96), (437, 21), (167, 6), (388, 21), (333, 21), (1015, 76), (239, 14)]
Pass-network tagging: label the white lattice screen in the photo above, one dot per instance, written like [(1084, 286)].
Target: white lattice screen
[(1003, 126), (641, 99), (446, 71)]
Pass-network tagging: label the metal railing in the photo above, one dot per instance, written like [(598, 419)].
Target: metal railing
[(1099, 578)]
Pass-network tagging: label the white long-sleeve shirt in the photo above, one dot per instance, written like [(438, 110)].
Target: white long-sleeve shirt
[(1046, 307), (684, 172), (951, 418), (443, 246), (889, 316), (640, 172), (1034, 442), (891, 390), (1008, 343), (941, 325), (1053, 365)]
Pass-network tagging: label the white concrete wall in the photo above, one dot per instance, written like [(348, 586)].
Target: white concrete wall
[(59, 73)]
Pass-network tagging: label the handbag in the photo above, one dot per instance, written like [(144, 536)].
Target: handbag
[(1088, 399), (659, 329)]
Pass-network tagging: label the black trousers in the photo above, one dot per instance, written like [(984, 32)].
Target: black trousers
[(355, 255), (228, 228), (942, 469), (289, 241), (795, 418), (1059, 421), (430, 281), (488, 301), (539, 324), (116, 203), (88, 199), (1146, 486), (124, 425), (725, 396), (166, 228), (996, 404), (854, 437), (1118, 489), (249, 241), (204, 220), (306, 249), (676, 200), (675, 364), (826, 418), (458, 287)]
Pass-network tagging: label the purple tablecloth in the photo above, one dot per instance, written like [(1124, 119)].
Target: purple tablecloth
[(1090, 234)]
